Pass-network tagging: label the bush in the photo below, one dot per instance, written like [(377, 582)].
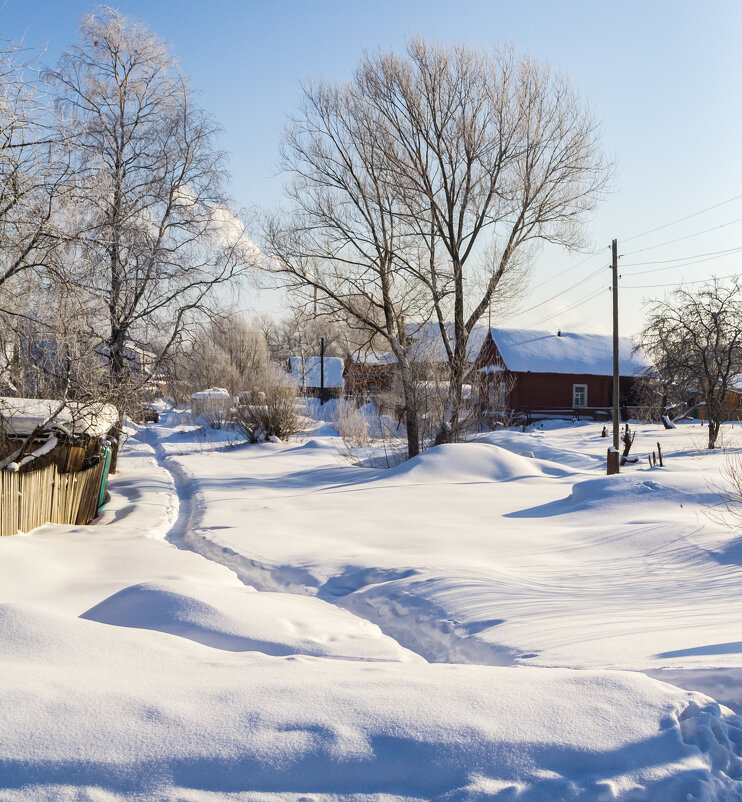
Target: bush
[(351, 425), (271, 412)]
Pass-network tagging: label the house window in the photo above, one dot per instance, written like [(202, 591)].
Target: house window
[(579, 395)]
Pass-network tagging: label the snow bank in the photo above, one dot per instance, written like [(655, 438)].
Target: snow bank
[(642, 487), (532, 443), (91, 708), (237, 620), (457, 462)]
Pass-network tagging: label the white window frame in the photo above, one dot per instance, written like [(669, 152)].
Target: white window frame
[(575, 388)]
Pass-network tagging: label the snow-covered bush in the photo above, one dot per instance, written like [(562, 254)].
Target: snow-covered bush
[(351, 424), (271, 412)]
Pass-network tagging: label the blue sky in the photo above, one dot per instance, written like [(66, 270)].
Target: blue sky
[(664, 78)]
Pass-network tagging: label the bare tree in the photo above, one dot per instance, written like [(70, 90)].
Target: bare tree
[(344, 248), (31, 172), (147, 215), (426, 183), (492, 154), (694, 339), (227, 353), (301, 333)]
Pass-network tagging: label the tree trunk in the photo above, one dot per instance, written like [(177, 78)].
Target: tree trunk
[(410, 408), (713, 432), (449, 430)]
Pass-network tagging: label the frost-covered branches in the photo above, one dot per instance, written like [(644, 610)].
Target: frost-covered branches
[(695, 341)]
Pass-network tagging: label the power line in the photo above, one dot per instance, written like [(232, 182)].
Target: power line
[(674, 284), (592, 297), (681, 219), (682, 258), (685, 261), (680, 239), (573, 267), (567, 289), (684, 264)]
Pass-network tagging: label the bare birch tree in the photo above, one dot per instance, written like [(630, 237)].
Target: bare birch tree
[(694, 338), (33, 173), (147, 217)]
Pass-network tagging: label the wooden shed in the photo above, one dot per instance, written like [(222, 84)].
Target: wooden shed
[(54, 461)]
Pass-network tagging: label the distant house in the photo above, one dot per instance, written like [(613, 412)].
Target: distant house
[(544, 373), (370, 373), (732, 402), (318, 377)]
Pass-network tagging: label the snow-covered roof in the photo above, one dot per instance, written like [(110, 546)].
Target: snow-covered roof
[(426, 344), (308, 370), (21, 416), (527, 350), (212, 392)]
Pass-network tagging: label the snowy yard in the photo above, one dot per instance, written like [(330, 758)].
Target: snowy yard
[(487, 621)]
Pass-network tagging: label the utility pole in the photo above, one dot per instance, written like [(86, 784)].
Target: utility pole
[(322, 371), (616, 378)]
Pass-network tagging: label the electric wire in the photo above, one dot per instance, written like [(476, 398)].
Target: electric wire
[(682, 261), (682, 219)]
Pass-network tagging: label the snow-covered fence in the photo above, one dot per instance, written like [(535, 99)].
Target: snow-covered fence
[(33, 498)]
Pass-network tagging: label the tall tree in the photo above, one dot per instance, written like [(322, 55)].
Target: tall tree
[(345, 244), (491, 154), (424, 185), (694, 338), (148, 215)]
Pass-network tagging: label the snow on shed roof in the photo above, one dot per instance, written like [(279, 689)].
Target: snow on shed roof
[(308, 370), (21, 416), (426, 345), (526, 350), (212, 392)]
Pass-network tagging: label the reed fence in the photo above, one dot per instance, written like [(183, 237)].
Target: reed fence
[(34, 498)]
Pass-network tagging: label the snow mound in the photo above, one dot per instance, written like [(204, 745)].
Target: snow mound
[(525, 443), (239, 619), (637, 488), (467, 462), (114, 714)]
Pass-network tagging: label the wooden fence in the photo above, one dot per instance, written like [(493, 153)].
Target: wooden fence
[(34, 498)]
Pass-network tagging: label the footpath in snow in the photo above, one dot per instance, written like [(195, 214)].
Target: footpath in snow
[(514, 550), (267, 622)]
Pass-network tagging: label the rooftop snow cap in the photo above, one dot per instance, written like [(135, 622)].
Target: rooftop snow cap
[(526, 350), (308, 371), (20, 416), (212, 392)]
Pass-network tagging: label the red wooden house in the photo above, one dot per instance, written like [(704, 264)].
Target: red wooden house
[(542, 374)]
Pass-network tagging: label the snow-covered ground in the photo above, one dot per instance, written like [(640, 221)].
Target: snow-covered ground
[(267, 622)]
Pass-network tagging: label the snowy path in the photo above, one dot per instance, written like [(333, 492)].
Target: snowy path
[(132, 669), (476, 554)]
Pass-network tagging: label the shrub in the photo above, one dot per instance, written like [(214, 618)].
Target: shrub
[(269, 413)]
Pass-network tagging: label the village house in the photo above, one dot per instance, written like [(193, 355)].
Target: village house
[(543, 374), (369, 373), (318, 377), (732, 402)]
